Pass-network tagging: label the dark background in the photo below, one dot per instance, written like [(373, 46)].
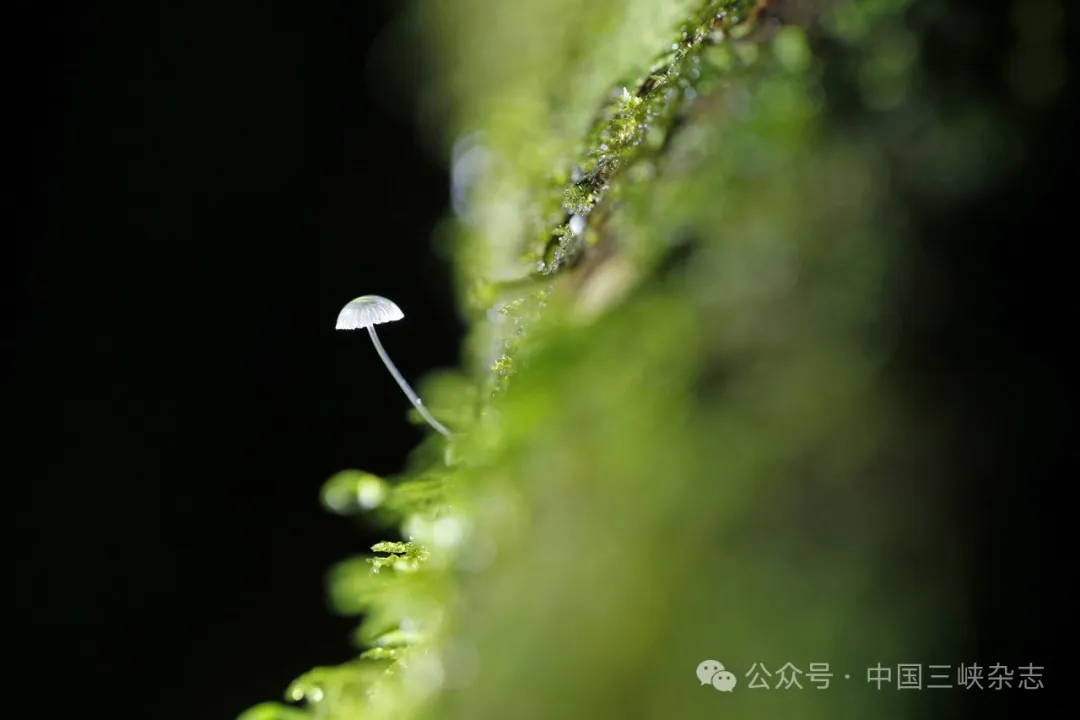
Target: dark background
[(206, 185), (211, 183)]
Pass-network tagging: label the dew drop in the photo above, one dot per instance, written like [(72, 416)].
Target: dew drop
[(577, 224), (370, 492)]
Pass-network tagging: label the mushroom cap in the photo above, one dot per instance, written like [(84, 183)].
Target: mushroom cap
[(367, 310)]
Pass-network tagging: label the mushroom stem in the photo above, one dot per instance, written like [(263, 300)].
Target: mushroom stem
[(409, 392)]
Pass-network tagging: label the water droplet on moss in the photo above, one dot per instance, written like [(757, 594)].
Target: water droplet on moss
[(352, 490), (371, 492), (577, 224)]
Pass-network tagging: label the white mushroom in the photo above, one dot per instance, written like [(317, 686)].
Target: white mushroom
[(368, 311)]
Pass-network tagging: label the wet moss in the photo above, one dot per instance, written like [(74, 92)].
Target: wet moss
[(670, 289)]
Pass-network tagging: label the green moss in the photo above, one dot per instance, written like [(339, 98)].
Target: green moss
[(636, 121), (274, 711), (660, 404)]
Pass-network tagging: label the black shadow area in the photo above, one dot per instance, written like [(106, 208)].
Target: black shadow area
[(208, 183)]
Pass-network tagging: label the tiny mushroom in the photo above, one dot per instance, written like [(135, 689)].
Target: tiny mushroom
[(367, 311)]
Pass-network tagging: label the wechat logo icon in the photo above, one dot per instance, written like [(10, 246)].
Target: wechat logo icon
[(711, 672)]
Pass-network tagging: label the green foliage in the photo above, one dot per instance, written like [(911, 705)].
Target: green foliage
[(671, 423), (274, 711)]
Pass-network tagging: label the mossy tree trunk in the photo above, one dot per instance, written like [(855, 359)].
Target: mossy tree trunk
[(680, 432)]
